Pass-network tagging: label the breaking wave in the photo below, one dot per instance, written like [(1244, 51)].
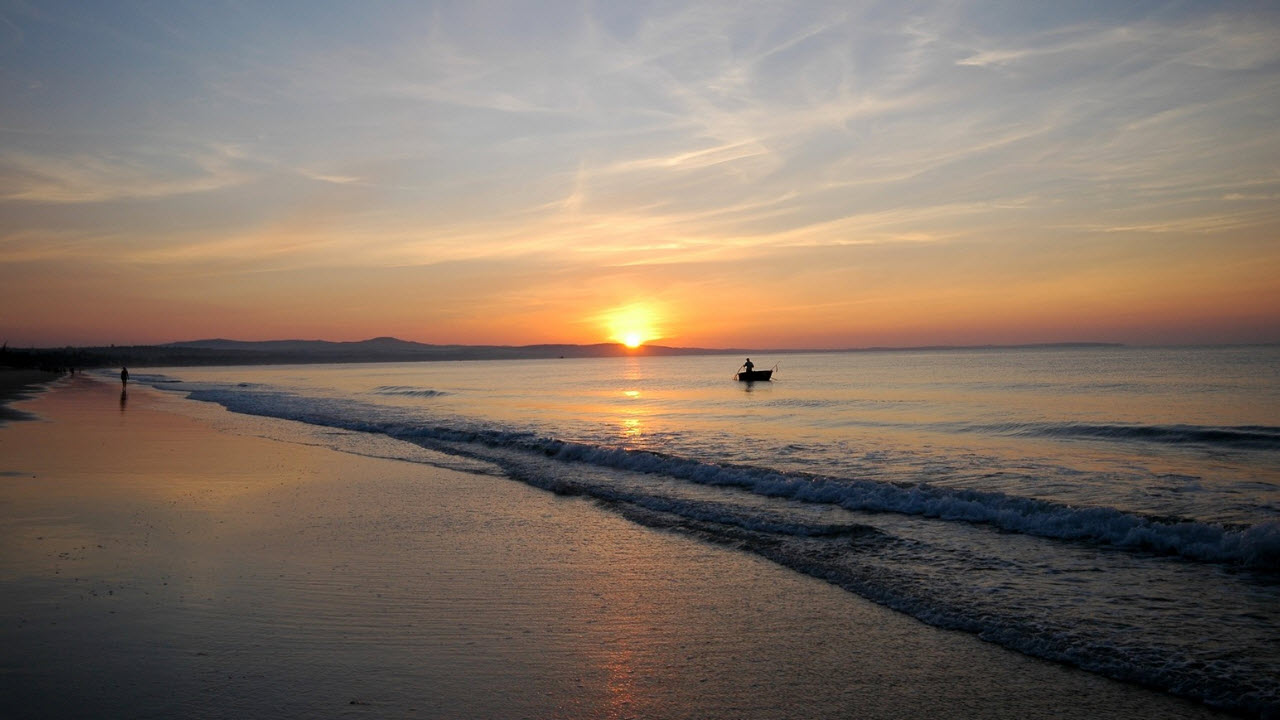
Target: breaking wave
[(405, 391), (1257, 437)]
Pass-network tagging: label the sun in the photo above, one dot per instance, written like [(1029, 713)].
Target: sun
[(632, 325)]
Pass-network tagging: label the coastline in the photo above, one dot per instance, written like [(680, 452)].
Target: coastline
[(393, 350), (21, 384), (163, 563)]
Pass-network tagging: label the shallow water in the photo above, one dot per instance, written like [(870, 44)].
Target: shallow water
[(1117, 509), (216, 566)]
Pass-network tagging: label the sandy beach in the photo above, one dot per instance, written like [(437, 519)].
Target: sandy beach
[(19, 385), (166, 560)]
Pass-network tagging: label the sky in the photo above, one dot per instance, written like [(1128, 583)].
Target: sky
[(699, 174)]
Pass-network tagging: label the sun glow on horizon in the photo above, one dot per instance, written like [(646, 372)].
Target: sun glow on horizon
[(632, 325)]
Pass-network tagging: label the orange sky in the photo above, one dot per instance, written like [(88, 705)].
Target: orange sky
[(718, 175)]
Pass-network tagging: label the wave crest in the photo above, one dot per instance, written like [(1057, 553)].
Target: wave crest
[(408, 391), (1256, 437)]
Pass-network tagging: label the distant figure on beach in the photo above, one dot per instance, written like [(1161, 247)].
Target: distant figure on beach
[(124, 376), (748, 365)]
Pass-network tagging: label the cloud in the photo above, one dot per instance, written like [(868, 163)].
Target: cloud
[(99, 176), (696, 159), (1206, 224), (335, 179), (1216, 41), (34, 245), (988, 58)]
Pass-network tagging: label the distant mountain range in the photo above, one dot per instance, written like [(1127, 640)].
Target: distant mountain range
[(389, 349), (382, 349)]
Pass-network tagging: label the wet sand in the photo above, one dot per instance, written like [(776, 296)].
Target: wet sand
[(17, 385), (158, 564)]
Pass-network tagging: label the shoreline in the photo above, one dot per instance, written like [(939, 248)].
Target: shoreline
[(21, 384), (166, 558)]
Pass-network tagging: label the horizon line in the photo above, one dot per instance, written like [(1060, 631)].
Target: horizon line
[(639, 350)]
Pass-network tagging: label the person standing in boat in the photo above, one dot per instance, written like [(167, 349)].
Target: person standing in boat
[(748, 365)]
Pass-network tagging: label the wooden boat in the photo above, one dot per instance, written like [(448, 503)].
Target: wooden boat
[(753, 375)]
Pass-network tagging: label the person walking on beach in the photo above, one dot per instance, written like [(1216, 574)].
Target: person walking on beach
[(124, 376)]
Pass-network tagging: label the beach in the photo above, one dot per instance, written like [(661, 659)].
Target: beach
[(161, 557), (18, 385)]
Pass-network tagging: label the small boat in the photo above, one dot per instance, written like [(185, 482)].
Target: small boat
[(753, 375)]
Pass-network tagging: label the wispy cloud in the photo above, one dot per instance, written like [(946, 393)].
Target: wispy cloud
[(90, 177), (334, 179)]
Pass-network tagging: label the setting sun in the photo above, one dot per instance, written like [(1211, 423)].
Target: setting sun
[(632, 325)]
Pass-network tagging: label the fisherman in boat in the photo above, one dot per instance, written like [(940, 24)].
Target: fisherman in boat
[(748, 365)]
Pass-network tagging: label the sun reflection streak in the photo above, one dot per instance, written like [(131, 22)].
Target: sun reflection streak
[(632, 430), (633, 412), (634, 372), (633, 420), (620, 666)]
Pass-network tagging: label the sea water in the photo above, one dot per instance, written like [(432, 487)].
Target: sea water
[(1117, 509)]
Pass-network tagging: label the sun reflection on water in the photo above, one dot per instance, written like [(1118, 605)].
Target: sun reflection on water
[(632, 429), (621, 670)]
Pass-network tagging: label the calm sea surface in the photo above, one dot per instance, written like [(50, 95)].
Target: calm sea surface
[(1117, 509)]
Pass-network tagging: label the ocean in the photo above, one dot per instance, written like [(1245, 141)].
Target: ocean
[(1116, 509)]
